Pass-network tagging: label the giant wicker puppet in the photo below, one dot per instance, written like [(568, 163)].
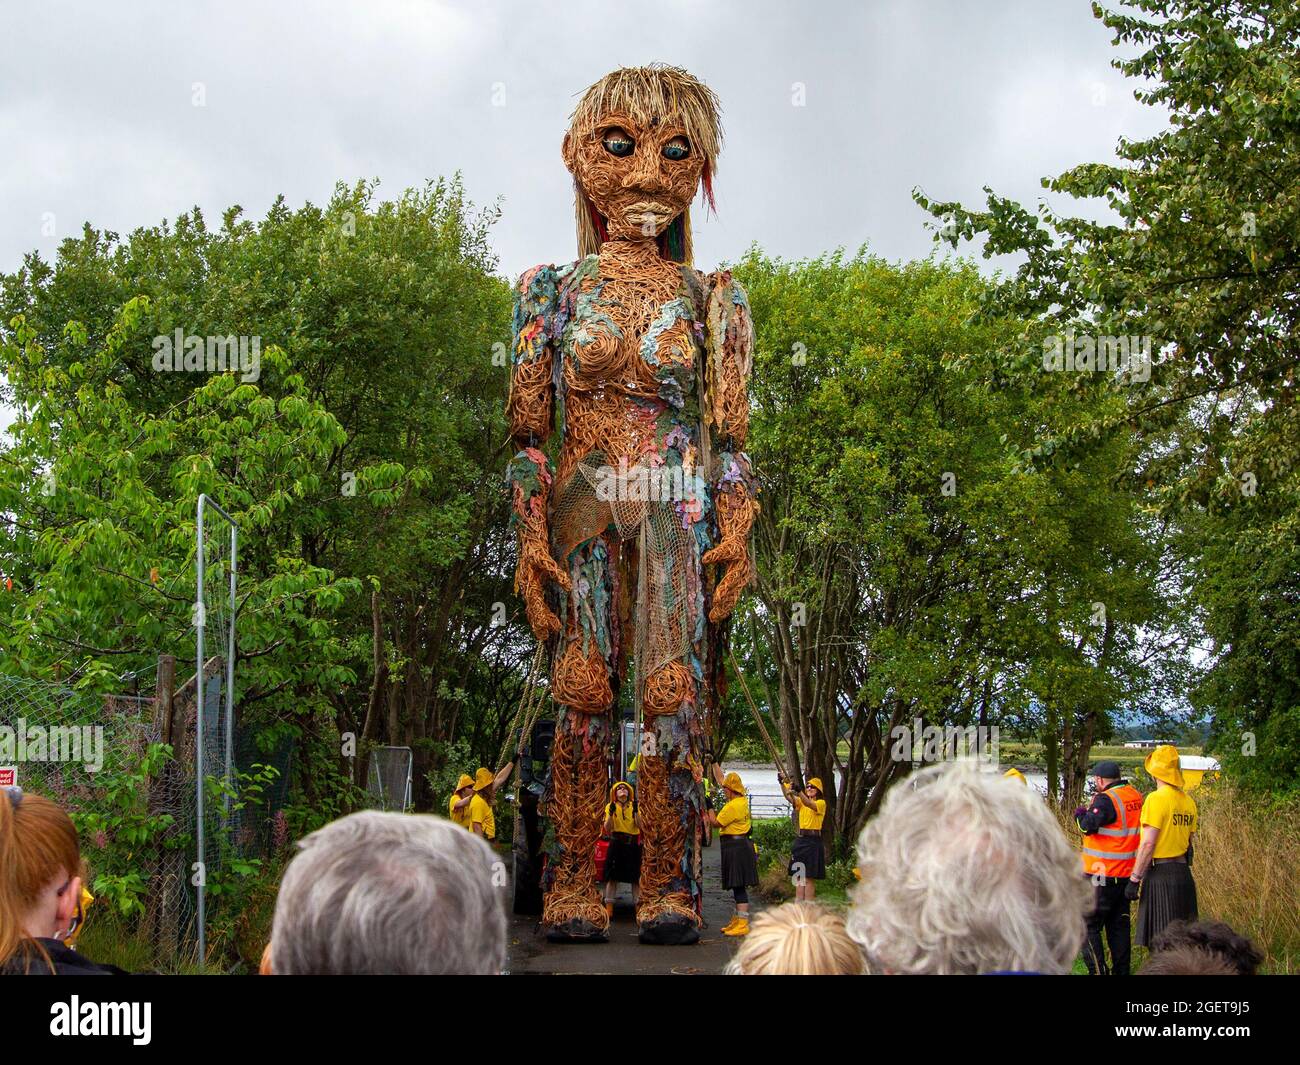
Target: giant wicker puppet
[(634, 546)]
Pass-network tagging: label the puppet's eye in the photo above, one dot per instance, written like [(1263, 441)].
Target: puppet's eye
[(618, 143), (677, 148)]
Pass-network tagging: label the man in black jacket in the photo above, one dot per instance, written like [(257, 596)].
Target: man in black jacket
[(1111, 826)]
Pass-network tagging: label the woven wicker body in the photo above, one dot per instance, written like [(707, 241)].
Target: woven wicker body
[(633, 546)]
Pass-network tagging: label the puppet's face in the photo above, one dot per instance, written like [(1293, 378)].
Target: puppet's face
[(638, 177)]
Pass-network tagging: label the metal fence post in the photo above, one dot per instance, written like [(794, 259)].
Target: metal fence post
[(199, 618), (200, 691), (230, 672)]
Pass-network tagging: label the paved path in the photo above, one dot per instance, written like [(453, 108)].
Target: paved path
[(530, 953)]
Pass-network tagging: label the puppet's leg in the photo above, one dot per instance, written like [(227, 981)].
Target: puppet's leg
[(669, 807), (580, 684)]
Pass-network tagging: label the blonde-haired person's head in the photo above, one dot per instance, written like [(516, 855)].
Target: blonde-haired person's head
[(797, 939)]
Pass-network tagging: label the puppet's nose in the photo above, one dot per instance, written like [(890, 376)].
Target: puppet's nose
[(645, 175)]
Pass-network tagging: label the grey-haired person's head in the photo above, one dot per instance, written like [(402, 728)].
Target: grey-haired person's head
[(388, 893), (964, 872)]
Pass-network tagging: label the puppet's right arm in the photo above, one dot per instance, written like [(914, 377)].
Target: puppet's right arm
[(531, 410)]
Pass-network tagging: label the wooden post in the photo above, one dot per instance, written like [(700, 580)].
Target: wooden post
[(163, 697)]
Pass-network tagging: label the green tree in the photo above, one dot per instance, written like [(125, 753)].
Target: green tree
[(1201, 253), (911, 564), (363, 465)]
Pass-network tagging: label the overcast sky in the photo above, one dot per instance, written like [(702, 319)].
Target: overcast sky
[(99, 120)]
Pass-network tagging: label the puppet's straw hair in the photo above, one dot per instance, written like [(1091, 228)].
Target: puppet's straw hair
[(652, 94)]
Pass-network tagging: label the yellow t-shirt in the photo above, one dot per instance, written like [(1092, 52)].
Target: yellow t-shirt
[(461, 816), (622, 817), (480, 812), (733, 818), (1174, 813), (812, 818)]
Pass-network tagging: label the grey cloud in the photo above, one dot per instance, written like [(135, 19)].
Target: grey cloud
[(96, 110)]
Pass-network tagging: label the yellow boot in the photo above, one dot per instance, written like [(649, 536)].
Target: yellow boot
[(730, 924), (739, 927), (609, 910)]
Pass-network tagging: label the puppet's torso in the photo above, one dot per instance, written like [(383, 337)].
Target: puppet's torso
[(628, 347), (626, 353)]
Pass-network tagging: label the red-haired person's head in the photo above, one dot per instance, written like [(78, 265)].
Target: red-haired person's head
[(40, 878)]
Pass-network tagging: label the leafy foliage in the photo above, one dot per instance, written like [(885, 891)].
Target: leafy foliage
[(364, 458), (912, 562), (1202, 254)]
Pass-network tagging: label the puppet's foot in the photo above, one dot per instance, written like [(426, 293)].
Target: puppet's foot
[(579, 919), (577, 930), (669, 922)]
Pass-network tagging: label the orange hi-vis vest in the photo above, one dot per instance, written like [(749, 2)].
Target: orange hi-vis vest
[(1112, 849)]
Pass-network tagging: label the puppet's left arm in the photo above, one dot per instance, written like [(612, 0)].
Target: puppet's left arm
[(730, 344)]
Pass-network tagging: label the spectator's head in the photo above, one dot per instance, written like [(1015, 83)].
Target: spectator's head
[(40, 874), (1216, 938), (1104, 774), (797, 939), (389, 893), (965, 872), (1187, 961)]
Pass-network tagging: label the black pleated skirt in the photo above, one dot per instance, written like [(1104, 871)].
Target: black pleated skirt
[(623, 860), (808, 858), (739, 864), (1168, 894)]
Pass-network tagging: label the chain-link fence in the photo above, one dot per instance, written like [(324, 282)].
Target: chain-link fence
[(104, 761), (101, 760)]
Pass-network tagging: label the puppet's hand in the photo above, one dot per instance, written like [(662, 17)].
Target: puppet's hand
[(733, 553), (529, 475), (736, 505), (535, 568), (736, 512)]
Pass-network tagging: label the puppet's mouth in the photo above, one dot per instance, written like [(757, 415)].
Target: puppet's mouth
[(650, 216)]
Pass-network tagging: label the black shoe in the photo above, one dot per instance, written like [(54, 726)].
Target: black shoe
[(670, 930), (577, 930)]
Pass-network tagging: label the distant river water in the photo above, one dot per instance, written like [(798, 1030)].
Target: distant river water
[(765, 799)]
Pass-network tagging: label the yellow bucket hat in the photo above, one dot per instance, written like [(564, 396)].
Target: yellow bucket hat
[(733, 783), (1163, 764), (816, 782), (482, 778), (1015, 774), (465, 781)]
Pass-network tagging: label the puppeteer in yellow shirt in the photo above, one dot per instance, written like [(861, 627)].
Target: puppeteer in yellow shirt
[(733, 818), (812, 818), (461, 816), (1174, 813), (622, 816), (480, 813)]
